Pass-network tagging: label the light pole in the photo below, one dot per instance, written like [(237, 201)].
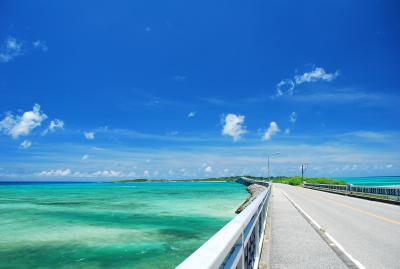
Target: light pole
[(303, 169), (273, 154)]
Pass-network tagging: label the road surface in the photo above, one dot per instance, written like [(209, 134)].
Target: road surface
[(368, 231)]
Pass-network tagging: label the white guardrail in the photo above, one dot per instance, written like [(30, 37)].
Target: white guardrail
[(392, 193), (238, 244)]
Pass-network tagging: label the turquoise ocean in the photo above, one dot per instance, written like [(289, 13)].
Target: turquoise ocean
[(110, 225), (373, 181)]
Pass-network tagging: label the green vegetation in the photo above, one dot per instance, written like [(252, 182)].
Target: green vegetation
[(295, 181)]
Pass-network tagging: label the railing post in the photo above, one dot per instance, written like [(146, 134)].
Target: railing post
[(243, 249)]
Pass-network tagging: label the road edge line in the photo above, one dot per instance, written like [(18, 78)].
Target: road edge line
[(346, 257)]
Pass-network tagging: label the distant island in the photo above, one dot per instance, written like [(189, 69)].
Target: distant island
[(294, 181), (216, 179)]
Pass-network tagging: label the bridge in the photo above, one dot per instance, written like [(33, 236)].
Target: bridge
[(295, 227)]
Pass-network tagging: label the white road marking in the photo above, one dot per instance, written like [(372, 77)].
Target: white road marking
[(330, 237)]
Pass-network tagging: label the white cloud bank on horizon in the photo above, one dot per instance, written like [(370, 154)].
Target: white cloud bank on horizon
[(16, 125), (287, 86), (69, 173), (336, 156), (272, 130), (56, 173), (233, 126)]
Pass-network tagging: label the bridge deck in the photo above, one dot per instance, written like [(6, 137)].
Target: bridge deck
[(368, 231)]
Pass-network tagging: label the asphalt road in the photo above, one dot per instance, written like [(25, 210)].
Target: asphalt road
[(294, 244), (369, 231)]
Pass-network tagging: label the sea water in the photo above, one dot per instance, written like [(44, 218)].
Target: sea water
[(110, 225), (373, 181)]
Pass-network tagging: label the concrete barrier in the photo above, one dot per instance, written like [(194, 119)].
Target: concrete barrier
[(238, 244), (391, 193)]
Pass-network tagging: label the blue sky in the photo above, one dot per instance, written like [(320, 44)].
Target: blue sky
[(99, 90)]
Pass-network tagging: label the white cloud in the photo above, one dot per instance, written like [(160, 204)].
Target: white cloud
[(293, 117), (56, 124), (272, 130), (40, 44), (25, 144), (53, 125), (389, 165), (208, 169), (287, 86), (56, 173), (10, 49), (89, 135), (146, 173), (233, 126), (192, 114), (15, 125), (85, 157), (107, 173), (287, 131), (315, 75)]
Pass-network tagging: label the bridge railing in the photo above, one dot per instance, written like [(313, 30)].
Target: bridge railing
[(392, 193), (238, 244)]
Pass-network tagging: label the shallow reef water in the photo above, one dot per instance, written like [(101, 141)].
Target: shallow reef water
[(110, 225)]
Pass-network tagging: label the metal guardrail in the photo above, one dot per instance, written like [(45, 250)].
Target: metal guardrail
[(392, 193), (238, 244)]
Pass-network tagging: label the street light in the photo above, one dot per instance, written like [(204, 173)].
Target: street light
[(273, 154), (303, 169)]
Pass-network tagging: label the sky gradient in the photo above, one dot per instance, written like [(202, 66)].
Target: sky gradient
[(175, 89)]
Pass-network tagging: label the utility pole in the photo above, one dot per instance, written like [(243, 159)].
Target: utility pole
[(303, 169)]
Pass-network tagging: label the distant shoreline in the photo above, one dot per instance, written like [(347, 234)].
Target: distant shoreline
[(388, 181)]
